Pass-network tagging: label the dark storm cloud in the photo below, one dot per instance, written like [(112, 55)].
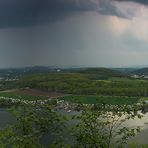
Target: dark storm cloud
[(15, 13), (107, 7), (145, 2)]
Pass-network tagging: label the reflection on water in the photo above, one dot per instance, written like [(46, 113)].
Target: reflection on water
[(142, 137), (143, 123), (5, 118)]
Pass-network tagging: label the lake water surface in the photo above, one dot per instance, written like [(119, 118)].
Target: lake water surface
[(5, 118)]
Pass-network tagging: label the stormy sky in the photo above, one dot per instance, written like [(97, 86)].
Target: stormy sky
[(98, 33)]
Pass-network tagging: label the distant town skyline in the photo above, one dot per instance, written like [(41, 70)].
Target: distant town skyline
[(88, 33)]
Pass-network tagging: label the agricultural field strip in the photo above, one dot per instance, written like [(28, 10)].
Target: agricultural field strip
[(17, 97), (88, 99), (93, 99)]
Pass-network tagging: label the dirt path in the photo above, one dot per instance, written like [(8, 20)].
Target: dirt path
[(36, 92)]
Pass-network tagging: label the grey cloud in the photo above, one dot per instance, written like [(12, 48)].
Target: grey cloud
[(108, 7)]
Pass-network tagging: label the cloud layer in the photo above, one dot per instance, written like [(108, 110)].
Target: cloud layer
[(73, 32), (145, 2), (31, 12)]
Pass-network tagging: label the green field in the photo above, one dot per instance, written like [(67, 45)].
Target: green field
[(93, 99), (19, 95)]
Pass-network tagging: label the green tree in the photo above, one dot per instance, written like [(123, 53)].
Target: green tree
[(102, 127)]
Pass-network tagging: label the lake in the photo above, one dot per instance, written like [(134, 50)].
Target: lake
[(5, 118)]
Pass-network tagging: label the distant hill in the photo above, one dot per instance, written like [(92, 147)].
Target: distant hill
[(91, 73), (143, 71), (13, 72), (101, 73), (126, 70)]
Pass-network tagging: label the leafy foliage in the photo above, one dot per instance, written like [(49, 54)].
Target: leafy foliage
[(103, 128), (97, 126), (31, 124)]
